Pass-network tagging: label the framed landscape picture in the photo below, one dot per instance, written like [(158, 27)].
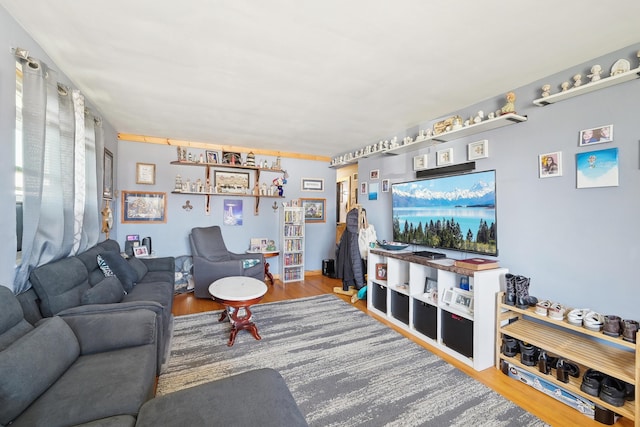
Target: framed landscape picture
[(143, 207), (231, 182), (314, 210)]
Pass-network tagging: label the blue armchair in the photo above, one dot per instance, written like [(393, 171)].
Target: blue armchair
[(212, 260)]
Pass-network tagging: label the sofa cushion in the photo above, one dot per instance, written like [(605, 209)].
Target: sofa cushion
[(60, 284), (12, 322), (108, 291), (124, 272), (33, 363), (96, 386), (140, 268)]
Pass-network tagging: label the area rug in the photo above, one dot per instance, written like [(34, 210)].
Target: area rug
[(343, 367)]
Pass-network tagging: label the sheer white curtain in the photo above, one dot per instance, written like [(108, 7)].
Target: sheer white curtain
[(60, 171)]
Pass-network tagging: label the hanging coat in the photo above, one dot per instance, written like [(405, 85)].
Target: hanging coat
[(349, 265)]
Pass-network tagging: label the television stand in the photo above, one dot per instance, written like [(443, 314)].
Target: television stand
[(430, 255)]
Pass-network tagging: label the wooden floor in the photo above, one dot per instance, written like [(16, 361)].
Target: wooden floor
[(546, 408)]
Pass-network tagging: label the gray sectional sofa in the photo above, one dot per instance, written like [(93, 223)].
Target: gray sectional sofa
[(98, 370), (77, 284)]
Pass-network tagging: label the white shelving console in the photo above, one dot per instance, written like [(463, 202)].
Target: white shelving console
[(466, 335), (292, 244)]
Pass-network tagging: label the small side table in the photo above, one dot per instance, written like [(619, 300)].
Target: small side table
[(269, 254), (238, 293)]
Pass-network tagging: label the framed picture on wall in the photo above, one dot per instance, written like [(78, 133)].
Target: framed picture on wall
[(363, 188), (478, 150), (596, 135), (145, 173), (107, 181), (550, 164), (314, 210), (312, 184), (444, 157), (143, 207)]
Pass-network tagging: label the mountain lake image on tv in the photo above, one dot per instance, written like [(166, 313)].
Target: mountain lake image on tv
[(455, 212)]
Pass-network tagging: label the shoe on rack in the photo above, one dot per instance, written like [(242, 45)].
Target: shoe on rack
[(611, 325), (576, 316), (613, 391), (523, 299), (510, 294), (510, 346), (629, 329), (565, 368), (556, 311), (591, 381), (528, 354), (593, 321), (542, 307), (629, 392)]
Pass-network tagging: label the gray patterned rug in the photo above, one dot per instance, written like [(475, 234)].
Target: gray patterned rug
[(344, 368)]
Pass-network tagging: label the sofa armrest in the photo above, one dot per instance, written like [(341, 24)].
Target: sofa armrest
[(105, 331), (160, 264)]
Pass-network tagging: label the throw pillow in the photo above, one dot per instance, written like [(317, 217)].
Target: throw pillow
[(139, 266), (104, 267), (124, 272), (108, 291), (248, 263)]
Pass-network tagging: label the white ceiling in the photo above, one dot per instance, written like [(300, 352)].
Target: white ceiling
[(316, 77)]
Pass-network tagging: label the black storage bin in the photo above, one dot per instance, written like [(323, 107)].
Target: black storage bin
[(425, 318), (379, 297), (400, 306), (329, 268), (457, 333)]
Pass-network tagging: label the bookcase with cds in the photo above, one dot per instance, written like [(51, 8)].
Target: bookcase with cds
[(292, 244)]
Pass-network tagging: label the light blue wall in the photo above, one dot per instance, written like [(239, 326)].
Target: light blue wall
[(172, 238), (578, 246)]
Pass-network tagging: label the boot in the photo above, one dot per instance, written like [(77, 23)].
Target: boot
[(611, 326), (629, 329), (510, 294), (528, 354), (523, 300)]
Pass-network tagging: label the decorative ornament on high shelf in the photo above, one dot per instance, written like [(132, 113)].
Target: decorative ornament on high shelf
[(510, 106), (251, 159), (107, 218)]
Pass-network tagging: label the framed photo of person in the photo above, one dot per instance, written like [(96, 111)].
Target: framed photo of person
[(550, 164), (596, 135)]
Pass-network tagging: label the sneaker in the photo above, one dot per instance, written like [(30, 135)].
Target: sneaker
[(593, 321), (576, 316), (542, 308), (556, 311)]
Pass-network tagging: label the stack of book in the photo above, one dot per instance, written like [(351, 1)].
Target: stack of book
[(477, 263)]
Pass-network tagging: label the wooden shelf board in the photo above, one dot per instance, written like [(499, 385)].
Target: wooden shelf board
[(618, 363)]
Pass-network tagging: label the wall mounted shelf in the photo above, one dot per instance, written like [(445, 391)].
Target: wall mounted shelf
[(489, 124), (589, 87), (208, 195)]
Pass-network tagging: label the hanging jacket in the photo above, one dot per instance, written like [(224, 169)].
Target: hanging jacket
[(349, 266)]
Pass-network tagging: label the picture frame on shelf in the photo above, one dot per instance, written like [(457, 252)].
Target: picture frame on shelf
[(140, 251), (550, 164), (420, 162), (478, 150), (231, 182), (143, 207), (146, 173), (212, 156), (312, 184), (444, 157), (597, 135), (107, 179), (314, 210), (231, 158)]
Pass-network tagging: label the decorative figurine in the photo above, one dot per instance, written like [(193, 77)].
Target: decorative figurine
[(565, 86), (510, 106), (577, 80), (546, 89), (178, 185), (596, 70)]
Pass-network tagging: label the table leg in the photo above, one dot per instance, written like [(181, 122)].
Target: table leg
[(239, 323)]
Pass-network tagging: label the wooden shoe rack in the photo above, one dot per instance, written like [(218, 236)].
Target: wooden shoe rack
[(610, 355)]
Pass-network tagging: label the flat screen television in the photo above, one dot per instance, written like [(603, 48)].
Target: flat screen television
[(456, 212)]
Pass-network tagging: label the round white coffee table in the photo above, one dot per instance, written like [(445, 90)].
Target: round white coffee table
[(238, 294)]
